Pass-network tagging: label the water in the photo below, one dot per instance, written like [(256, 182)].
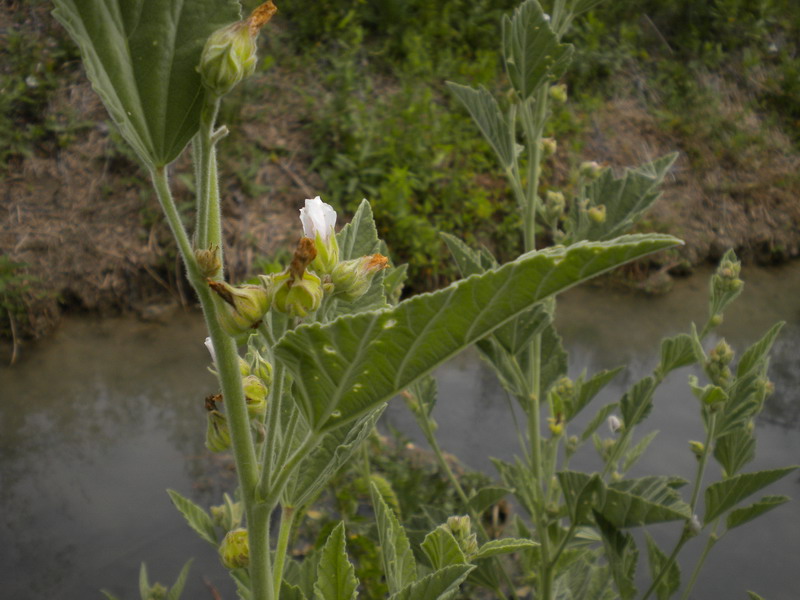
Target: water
[(98, 421)]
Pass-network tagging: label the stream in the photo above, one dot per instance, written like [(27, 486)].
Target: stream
[(99, 420)]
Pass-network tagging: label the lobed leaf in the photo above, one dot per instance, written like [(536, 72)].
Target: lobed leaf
[(676, 352)]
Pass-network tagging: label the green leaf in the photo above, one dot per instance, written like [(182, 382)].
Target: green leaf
[(177, 588), (291, 592), (635, 453), (622, 555), (637, 402), (634, 502), (336, 579), (745, 399), (468, 261), (532, 53), (109, 595), (743, 515), (676, 352), (587, 390), (442, 549), (756, 353), (726, 494), (198, 519), (393, 283), (579, 491), (398, 560), (439, 585), (754, 596), (735, 450), (484, 110), (503, 546), (141, 58), (671, 581), (486, 497), (360, 236), (356, 362), (144, 582), (598, 420)]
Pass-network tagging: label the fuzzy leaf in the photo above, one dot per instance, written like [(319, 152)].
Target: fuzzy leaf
[(503, 546), (635, 453), (442, 549), (579, 491), (622, 556), (141, 58), (291, 592), (756, 353), (356, 362), (198, 519), (398, 560), (336, 579), (177, 588), (598, 420), (484, 110), (588, 389), (676, 352), (439, 585), (634, 502), (486, 497), (637, 402), (360, 236), (532, 53), (735, 450), (671, 581), (743, 515), (726, 494)]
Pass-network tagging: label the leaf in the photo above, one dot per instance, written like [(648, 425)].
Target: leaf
[(486, 497), (753, 596), (635, 502), (587, 390), (336, 578), (635, 453), (484, 110), (726, 494), (356, 362), (756, 353), (671, 581), (144, 583), (398, 560), (442, 549), (177, 588), (637, 402), (393, 283), (291, 592), (735, 450), (743, 515), (141, 58), (579, 491), (622, 555), (598, 420), (676, 352), (360, 236), (198, 519), (109, 595), (468, 261), (439, 585), (532, 53), (503, 546)]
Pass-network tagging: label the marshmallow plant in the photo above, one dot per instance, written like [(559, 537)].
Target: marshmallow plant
[(308, 358)]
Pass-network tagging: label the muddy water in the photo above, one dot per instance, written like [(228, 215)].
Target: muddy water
[(99, 421)]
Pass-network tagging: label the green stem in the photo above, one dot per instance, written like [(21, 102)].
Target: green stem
[(667, 566), (268, 461), (208, 215), (287, 522), (701, 468), (262, 584), (712, 540), (272, 494)]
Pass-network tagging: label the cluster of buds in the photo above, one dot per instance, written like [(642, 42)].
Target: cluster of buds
[(548, 146), (234, 551), (229, 55), (461, 528), (717, 365), (558, 93), (590, 170), (554, 205), (726, 279)]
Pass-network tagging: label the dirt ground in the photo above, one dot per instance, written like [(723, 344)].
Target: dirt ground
[(92, 240)]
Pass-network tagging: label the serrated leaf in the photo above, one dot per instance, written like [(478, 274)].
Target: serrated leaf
[(637, 402), (743, 515), (486, 497), (587, 390), (533, 56), (635, 453), (726, 494), (598, 420), (197, 518), (753, 596), (398, 560), (671, 581), (758, 351), (503, 546), (439, 585), (579, 491), (484, 110), (467, 259), (393, 283), (676, 352), (622, 555), (177, 588), (635, 502), (360, 236), (745, 399), (141, 59), (442, 549), (291, 592), (356, 362), (336, 579), (735, 450)]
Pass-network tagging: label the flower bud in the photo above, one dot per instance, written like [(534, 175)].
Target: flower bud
[(558, 93), (716, 320), (556, 425), (259, 366), (697, 448), (614, 424), (461, 528), (209, 262), (319, 221), (616, 476), (548, 146), (218, 435), (235, 549), (255, 393), (554, 204), (298, 297), (352, 278), (229, 55), (598, 213), (239, 308), (590, 170)]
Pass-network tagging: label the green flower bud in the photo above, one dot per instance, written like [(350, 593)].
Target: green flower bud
[(716, 320), (590, 170), (554, 204), (209, 262), (352, 278), (255, 393), (556, 425), (229, 55), (461, 528), (234, 551), (598, 213), (240, 308), (218, 435), (297, 297), (258, 365), (616, 476), (218, 515), (548, 146), (558, 93), (157, 592), (697, 448)]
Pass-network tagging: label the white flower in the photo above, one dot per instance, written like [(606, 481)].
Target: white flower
[(614, 424), (318, 218), (210, 346)]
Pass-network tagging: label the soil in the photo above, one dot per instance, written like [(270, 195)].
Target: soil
[(93, 240)]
